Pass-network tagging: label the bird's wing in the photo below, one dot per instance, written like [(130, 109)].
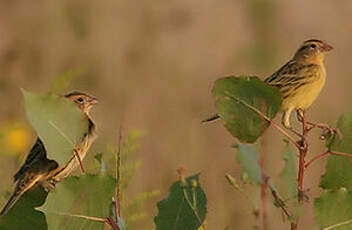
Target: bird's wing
[(291, 76), (25, 182), (39, 170), (37, 152), (286, 73)]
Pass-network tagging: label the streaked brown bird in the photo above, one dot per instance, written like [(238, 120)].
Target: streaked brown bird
[(39, 170), (300, 80)]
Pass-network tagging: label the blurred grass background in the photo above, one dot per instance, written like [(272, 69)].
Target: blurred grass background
[(153, 63)]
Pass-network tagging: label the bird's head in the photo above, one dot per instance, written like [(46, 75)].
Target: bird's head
[(83, 100), (312, 51)]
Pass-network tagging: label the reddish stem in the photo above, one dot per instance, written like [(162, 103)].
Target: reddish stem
[(315, 158), (303, 149), (324, 154), (112, 223), (264, 187)]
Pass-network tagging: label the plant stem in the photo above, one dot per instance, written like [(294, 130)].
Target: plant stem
[(315, 158), (280, 203), (112, 223), (263, 188), (324, 154), (118, 175), (303, 149)]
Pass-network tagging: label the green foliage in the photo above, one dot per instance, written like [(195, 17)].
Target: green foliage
[(58, 122), (339, 168), (238, 101), (184, 208), (334, 207), (87, 195), (247, 157), (23, 213)]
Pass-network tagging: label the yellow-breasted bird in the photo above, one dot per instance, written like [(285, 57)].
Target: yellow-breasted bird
[(300, 80), (38, 169)]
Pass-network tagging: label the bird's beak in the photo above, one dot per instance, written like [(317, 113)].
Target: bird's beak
[(94, 101), (326, 47)]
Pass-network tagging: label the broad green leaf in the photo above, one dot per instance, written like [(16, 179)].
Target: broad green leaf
[(87, 195), (59, 123), (338, 172), (23, 214), (175, 212), (247, 157), (334, 208), (237, 98)]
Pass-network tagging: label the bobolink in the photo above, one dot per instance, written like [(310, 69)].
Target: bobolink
[(38, 169), (300, 80)]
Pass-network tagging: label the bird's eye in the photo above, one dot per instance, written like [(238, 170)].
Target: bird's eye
[(313, 46), (80, 100)]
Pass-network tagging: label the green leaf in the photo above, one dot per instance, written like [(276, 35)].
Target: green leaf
[(59, 123), (175, 212), (28, 215), (87, 195), (334, 208), (237, 98), (338, 172), (247, 157)]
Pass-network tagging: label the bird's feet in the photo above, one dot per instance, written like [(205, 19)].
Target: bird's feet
[(48, 185), (77, 152), (327, 129)]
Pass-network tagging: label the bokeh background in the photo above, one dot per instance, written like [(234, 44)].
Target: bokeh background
[(152, 64)]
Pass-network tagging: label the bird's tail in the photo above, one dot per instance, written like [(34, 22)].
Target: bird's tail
[(212, 118), (13, 199)]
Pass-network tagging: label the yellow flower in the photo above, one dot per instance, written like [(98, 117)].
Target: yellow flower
[(17, 140)]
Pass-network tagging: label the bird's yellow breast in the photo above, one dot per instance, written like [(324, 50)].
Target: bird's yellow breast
[(305, 95)]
